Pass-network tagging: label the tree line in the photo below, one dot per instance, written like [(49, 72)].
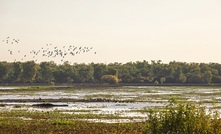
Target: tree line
[(132, 72)]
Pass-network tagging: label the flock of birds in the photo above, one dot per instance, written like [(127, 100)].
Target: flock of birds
[(9, 41), (48, 51)]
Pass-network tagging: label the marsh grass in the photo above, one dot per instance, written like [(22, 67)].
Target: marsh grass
[(186, 118), (63, 122), (176, 117), (2, 105), (18, 106), (54, 122), (109, 96)]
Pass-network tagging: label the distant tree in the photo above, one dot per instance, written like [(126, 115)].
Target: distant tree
[(162, 80), (179, 76), (195, 78), (29, 71), (99, 71), (127, 72), (131, 72), (111, 79), (46, 71), (139, 79), (156, 82), (207, 77), (216, 72), (70, 72), (112, 71), (159, 69), (4, 71), (125, 76), (60, 76), (17, 71), (85, 73), (146, 71)]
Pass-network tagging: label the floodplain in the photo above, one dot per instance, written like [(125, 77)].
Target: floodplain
[(72, 109)]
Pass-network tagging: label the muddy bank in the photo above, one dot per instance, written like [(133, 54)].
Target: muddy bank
[(46, 105), (105, 84), (64, 100)]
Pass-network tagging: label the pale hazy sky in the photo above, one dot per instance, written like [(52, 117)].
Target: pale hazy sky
[(118, 30)]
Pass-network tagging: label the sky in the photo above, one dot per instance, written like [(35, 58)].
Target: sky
[(117, 30)]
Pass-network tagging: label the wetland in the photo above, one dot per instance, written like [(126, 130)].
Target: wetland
[(70, 109)]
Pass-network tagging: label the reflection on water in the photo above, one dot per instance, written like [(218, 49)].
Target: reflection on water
[(143, 98), (7, 88)]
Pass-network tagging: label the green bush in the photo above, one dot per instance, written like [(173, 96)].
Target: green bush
[(183, 118), (111, 79)]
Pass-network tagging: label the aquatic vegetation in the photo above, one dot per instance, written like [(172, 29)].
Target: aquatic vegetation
[(55, 122), (63, 122), (183, 118), (143, 109), (2, 105)]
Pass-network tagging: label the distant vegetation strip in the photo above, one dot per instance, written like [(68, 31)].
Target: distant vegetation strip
[(131, 73)]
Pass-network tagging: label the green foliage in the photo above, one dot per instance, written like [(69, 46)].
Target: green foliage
[(99, 71), (162, 80), (30, 70), (46, 71), (111, 79), (131, 72), (85, 73), (17, 71), (185, 118), (156, 82), (4, 71), (207, 77)]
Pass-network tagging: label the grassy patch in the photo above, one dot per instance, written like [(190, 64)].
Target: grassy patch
[(63, 122)]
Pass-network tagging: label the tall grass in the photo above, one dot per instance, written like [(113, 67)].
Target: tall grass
[(183, 118)]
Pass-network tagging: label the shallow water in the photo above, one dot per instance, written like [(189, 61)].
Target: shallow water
[(143, 97), (8, 88)]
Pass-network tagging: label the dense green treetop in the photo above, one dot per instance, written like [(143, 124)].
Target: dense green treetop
[(131, 72)]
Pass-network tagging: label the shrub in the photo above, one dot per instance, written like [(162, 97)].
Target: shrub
[(185, 118), (111, 79)]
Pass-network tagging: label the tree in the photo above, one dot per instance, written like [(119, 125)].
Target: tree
[(99, 71), (29, 71), (60, 76), (145, 71), (46, 71), (139, 78), (207, 77), (158, 69), (85, 73), (179, 76), (162, 80), (127, 72), (111, 79), (125, 76), (194, 75), (131, 72), (4, 71), (17, 71), (112, 71), (64, 73)]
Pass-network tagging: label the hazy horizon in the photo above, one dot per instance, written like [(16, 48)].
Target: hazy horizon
[(118, 31)]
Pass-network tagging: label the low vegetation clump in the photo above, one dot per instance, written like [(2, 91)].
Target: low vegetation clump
[(183, 118)]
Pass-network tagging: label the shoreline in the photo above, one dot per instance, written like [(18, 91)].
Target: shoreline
[(105, 84)]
